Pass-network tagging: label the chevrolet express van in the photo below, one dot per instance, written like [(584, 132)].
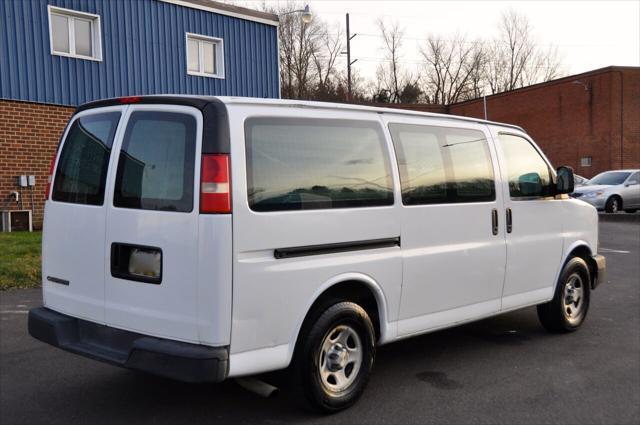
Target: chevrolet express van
[(205, 238)]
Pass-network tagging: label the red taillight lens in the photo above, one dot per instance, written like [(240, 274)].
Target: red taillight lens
[(50, 178), (215, 187)]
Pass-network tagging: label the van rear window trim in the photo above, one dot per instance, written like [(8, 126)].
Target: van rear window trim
[(331, 248)]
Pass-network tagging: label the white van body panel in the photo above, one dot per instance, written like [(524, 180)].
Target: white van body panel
[(73, 247), (167, 310), (453, 266), (270, 296), (536, 239)]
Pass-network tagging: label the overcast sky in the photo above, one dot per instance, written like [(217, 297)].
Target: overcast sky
[(589, 34)]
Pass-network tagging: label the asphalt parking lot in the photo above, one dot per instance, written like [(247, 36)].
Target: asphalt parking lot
[(501, 370)]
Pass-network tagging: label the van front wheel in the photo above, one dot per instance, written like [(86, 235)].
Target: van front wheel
[(568, 308), (334, 359)]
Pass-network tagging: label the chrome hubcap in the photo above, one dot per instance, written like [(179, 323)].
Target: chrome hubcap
[(340, 358), (573, 297), (614, 205)]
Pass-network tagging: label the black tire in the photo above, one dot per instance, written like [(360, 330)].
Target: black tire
[(309, 358), (564, 313), (613, 204), (631, 211)]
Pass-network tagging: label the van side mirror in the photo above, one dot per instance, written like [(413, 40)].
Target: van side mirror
[(564, 181), (530, 184)]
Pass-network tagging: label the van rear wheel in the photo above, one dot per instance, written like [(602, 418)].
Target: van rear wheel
[(334, 359), (568, 308)]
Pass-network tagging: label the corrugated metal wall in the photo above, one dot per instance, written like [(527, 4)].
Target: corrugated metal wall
[(143, 52)]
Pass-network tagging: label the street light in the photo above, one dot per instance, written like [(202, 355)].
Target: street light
[(306, 16)]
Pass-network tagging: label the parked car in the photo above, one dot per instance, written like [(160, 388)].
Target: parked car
[(612, 191), (579, 180), (203, 238)]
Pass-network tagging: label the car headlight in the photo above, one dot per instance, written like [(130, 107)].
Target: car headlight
[(594, 194)]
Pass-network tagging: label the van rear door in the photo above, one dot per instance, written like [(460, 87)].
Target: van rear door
[(73, 245), (151, 247)]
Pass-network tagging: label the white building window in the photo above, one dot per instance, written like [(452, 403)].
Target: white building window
[(205, 56), (585, 161), (74, 34)]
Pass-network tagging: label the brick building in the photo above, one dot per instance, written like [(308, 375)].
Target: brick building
[(589, 121), (58, 54)]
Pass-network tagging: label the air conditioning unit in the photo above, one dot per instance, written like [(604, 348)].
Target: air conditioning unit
[(15, 221)]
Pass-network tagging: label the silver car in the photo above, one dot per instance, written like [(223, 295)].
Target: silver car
[(612, 191)]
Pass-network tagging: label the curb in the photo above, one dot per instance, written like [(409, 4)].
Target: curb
[(619, 217)]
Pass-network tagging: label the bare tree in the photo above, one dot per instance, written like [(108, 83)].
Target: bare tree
[(325, 57), (515, 60), (453, 70), (390, 74), (299, 46)]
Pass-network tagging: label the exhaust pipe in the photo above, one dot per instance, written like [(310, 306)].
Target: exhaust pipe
[(259, 387)]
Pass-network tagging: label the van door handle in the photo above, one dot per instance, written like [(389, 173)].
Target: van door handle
[(494, 221), (509, 220)]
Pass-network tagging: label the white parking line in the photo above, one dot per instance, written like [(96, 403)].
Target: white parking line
[(14, 311), (617, 251)]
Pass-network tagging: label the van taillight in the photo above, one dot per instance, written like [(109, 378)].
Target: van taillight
[(215, 187), (50, 178)]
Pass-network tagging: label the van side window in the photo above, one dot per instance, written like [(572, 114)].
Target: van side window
[(84, 160), (296, 163), (156, 165), (527, 172), (443, 165)]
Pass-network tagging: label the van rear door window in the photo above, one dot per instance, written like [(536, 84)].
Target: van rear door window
[(156, 164), (84, 160), (300, 163)]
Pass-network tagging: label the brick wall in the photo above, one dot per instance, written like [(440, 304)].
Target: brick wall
[(29, 134), (597, 117)]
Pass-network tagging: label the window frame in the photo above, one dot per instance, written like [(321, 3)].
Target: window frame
[(450, 198), (61, 146), (503, 160), (218, 51), (193, 201), (363, 122), (72, 15), (586, 161)]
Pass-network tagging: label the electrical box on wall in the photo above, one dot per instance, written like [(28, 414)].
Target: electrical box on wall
[(31, 180), (22, 181)]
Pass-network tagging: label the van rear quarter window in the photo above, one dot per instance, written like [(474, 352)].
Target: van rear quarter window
[(441, 165), (156, 164), (300, 163), (84, 160)]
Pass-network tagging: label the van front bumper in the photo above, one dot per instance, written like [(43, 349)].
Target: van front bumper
[(171, 359)]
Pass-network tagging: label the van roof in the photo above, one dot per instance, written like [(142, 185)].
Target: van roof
[(201, 102)]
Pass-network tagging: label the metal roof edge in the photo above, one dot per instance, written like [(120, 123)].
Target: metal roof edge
[(228, 10)]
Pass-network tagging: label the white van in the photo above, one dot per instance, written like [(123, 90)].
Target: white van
[(204, 238)]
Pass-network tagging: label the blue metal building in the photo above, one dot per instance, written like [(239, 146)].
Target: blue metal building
[(67, 52)]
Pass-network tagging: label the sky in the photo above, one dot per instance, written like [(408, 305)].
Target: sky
[(588, 34)]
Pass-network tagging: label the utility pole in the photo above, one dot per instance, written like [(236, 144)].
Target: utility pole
[(349, 62)]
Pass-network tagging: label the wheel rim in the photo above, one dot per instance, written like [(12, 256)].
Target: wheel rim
[(574, 300), (340, 358), (614, 205)]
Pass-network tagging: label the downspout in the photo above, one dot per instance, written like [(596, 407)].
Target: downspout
[(621, 120)]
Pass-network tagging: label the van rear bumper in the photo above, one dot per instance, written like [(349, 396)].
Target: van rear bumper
[(171, 359)]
